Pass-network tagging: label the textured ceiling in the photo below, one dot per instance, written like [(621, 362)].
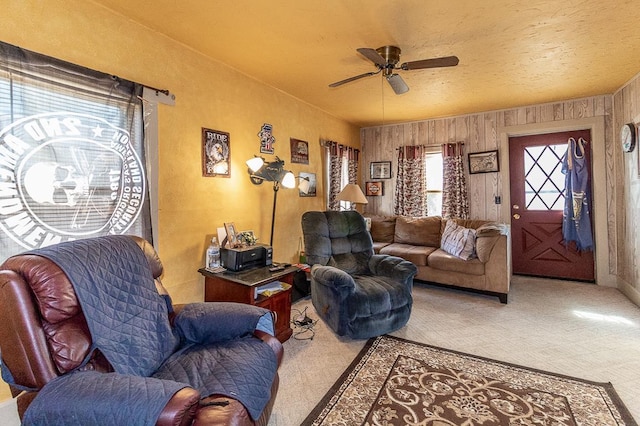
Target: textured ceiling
[(511, 52)]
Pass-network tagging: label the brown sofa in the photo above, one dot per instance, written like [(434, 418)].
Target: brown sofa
[(418, 240)]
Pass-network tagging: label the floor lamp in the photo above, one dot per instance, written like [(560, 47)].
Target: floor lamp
[(261, 170)]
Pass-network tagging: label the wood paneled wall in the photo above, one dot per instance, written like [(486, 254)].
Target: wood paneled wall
[(479, 132), (486, 131), (626, 185)]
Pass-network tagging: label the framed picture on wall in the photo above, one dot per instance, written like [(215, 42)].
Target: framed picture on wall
[(374, 189), (311, 177), (380, 170), (484, 162), (216, 153), (299, 151)]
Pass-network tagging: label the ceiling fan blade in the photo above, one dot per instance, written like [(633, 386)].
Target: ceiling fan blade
[(446, 61), (397, 84), (350, 79), (372, 55)]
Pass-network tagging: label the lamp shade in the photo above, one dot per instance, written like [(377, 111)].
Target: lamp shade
[(255, 163), (289, 180), (352, 192)]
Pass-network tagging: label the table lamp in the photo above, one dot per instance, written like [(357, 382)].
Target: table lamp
[(352, 193)]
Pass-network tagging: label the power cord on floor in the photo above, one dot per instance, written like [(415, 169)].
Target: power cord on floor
[(303, 325)]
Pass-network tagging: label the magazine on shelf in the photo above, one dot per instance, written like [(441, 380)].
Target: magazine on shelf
[(269, 288)]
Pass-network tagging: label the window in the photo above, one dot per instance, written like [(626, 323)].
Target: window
[(71, 153), (433, 176), (344, 180), (544, 180)]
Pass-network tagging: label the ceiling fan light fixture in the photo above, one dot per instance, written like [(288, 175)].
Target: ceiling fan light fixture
[(397, 84), (386, 59)]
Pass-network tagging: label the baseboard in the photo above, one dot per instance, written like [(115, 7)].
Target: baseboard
[(9, 413), (632, 293)]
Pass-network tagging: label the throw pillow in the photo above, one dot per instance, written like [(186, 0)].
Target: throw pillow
[(418, 231), (383, 228), (458, 241)]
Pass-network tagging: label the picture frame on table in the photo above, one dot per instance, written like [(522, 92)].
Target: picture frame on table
[(232, 234), (380, 170), (484, 162)]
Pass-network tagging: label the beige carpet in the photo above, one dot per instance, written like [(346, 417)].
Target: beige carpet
[(395, 381), (580, 330)]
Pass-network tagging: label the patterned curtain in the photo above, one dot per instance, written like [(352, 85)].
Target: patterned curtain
[(343, 169), (352, 161), (455, 201), (410, 195), (335, 174)]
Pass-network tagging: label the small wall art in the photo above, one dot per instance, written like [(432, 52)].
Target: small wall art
[(484, 162), (299, 151), (216, 153), (374, 189), (312, 184), (380, 170), (267, 140)]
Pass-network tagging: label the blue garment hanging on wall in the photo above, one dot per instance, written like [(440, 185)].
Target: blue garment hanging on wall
[(576, 220)]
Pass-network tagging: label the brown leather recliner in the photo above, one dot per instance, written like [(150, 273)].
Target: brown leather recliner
[(37, 346)]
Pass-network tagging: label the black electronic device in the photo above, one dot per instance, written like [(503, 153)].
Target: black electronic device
[(243, 258)]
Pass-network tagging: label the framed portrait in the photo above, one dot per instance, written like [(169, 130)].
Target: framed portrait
[(232, 234), (484, 162), (216, 154), (374, 189), (311, 177), (299, 151), (380, 170)]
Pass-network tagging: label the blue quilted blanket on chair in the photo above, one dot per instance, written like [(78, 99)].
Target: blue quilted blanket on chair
[(126, 316), (129, 324)]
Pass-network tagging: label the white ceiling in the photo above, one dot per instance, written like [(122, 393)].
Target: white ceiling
[(512, 52)]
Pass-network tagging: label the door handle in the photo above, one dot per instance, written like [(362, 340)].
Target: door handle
[(516, 216)]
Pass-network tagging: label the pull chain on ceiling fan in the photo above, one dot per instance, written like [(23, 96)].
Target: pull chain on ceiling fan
[(386, 59)]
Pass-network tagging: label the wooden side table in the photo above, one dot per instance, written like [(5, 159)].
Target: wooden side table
[(241, 287)]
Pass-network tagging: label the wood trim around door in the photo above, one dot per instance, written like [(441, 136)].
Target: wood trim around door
[(605, 243)]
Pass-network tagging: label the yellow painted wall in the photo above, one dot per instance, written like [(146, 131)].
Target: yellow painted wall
[(208, 94)]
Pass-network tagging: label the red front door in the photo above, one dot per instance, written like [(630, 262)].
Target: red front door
[(537, 202)]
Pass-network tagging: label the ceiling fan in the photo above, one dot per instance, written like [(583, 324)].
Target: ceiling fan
[(386, 59)]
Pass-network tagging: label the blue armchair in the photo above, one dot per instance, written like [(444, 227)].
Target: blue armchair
[(356, 292)]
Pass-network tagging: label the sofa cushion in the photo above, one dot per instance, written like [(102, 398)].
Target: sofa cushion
[(490, 229), (378, 246), (414, 254), (444, 261), (468, 223), (383, 228), (418, 231), (459, 241)]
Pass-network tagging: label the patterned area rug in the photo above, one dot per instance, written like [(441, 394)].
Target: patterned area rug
[(398, 382)]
